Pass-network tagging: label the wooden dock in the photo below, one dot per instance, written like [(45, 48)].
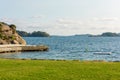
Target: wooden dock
[(22, 48)]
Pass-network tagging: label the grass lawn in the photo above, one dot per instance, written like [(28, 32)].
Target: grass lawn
[(58, 70)]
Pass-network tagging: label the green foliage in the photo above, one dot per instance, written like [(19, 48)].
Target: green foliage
[(4, 37), (38, 34), (12, 37), (0, 28), (13, 26), (33, 34), (58, 70), (0, 24), (109, 34), (106, 34), (22, 33), (1, 36)]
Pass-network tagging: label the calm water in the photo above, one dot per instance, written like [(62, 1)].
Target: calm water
[(72, 48)]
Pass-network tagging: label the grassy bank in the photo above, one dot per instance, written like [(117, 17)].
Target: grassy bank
[(58, 70)]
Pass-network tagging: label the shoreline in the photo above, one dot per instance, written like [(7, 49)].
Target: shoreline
[(58, 60)]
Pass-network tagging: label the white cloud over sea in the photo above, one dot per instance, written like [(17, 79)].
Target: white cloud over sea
[(66, 26), (62, 17)]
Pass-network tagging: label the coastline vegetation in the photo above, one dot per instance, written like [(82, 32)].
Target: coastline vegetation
[(33, 34), (106, 34), (11, 69)]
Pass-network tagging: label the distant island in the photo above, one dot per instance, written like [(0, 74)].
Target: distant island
[(106, 34), (33, 34)]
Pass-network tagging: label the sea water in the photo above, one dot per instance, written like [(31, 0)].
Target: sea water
[(71, 48)]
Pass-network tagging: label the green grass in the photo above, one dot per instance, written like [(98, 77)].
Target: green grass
[(58, 70)]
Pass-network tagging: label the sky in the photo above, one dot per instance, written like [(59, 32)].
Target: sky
[(62, 17)]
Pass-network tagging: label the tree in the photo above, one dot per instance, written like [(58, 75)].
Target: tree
[(109, 34), (13, 27), (22, 33), (33, 34)]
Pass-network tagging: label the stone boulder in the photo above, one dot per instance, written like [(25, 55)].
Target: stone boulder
[(8, 35)]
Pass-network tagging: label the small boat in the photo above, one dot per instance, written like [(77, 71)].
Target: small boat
[(102, 53)]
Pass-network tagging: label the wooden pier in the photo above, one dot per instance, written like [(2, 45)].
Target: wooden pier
[(22, 48)]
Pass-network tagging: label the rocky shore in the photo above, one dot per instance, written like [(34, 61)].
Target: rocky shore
[(11, 41), (8, 35)]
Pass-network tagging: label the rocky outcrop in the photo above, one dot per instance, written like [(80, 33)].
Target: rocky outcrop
[(8, 35)]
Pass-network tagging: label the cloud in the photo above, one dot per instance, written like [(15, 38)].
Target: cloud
[(106, 19), (22, 24), (37, 17), (94, 26), (69, 21), (66, 26)]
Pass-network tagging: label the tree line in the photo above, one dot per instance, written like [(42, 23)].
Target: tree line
[(33, 34), (106, 34)]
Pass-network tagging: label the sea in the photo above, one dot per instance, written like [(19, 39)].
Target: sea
[(71, 48)]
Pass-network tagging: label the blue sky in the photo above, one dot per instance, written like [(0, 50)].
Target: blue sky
[(62, 17)]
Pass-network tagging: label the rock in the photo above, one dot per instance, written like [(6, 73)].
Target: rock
[(3, 42), (14, 42), (8, 35)]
